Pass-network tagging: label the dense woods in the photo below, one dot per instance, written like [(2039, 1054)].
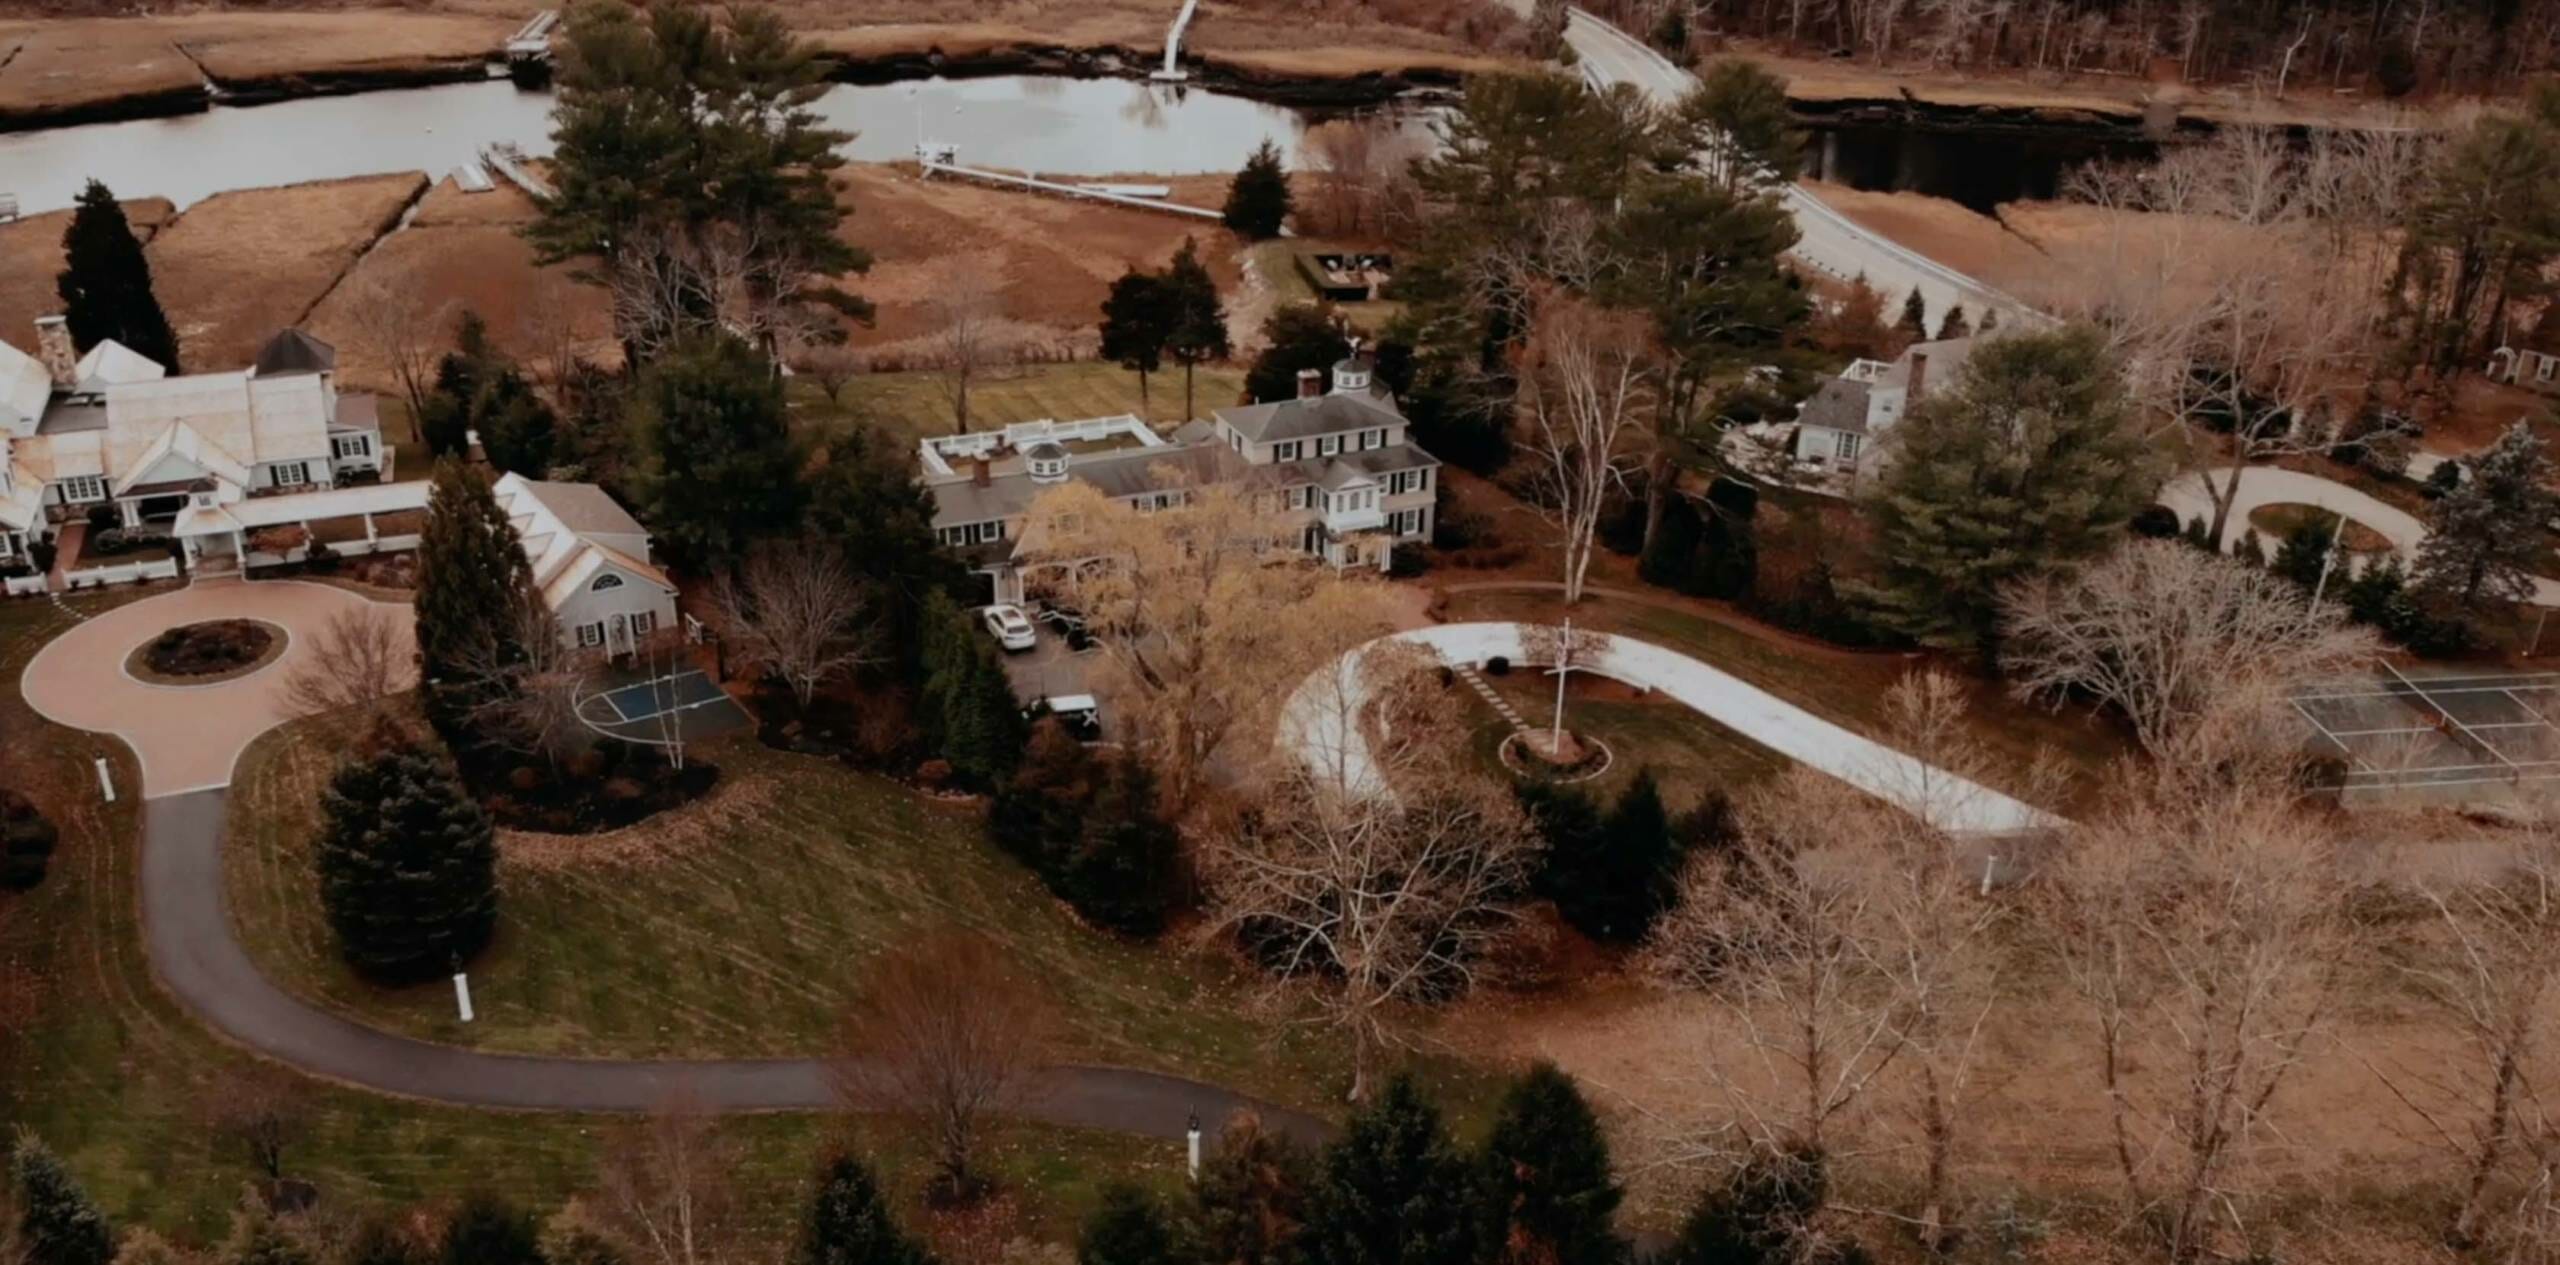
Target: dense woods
[(2390, 46)]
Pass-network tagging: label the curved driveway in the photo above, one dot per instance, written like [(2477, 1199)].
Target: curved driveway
[(2262, 486), (189, 739), (1316, 722)]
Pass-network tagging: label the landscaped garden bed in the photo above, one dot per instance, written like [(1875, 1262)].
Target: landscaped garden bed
[(2277, 522), (206, 653)]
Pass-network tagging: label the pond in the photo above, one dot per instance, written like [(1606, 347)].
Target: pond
[(1979, 168), (1050, 124)]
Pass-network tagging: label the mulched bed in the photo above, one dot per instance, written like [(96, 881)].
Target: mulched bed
[(206, 653), (610, 786)]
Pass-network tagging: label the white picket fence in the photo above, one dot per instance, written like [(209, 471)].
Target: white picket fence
[(25, 585), (343, 548), (124, 573)]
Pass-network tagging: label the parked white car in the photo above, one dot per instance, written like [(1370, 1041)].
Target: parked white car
[(1011, 629)]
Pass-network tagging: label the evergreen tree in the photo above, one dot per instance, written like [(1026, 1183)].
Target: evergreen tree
[(1670, 558), (1295, 337), (1739, 115), (1728, 565), (2251, 549), (408, 865), (676, 124), (2485, 536), (1137, 322), (863, 497), (971, 715), (1914, 325), (487, 1230), (1759, 1215), (2199, 534), (1566, 816), (1197, 332), (479, 389), (2304, 552), (472, 577), (1258, 201), (848, 1222), (1544, 1176), (1251, 1196), (715, 468), (1392, 1189), (1129, 857), (1130, 1228), (1990, 321), (2031, 461), (1612, 889), (105, 282), (57, 1222), (1953, 325)]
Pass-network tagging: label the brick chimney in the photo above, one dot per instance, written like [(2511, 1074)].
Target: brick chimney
[(1310, 383), (53, 347), (1919, 378), (981, 471)]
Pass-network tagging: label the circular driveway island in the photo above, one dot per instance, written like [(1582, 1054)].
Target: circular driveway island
[(186, 737)]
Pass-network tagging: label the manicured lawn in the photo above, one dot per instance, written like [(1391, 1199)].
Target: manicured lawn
[(2275, 523), (1847, 689), (102, 1065), (739, 926), (911, 406), (1688, 753)]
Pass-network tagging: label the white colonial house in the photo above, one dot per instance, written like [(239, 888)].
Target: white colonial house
[(1337, 459), (1840, 425), (113, 427), (590, 562)]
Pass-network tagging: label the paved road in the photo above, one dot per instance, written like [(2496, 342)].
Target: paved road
[(188, 932), (1830, 242), (2274, 485), (1315, 723)]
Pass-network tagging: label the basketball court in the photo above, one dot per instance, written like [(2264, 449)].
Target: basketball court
[(685, 705), (2399, 730)]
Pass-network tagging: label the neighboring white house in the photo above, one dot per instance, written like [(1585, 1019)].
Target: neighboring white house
[(590, 562), (1339, 458), (1839, 427), (112, 427)]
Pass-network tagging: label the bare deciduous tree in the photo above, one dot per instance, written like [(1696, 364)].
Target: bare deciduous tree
[(2494, 976), (797, 611), (360, 659), (396, 326), (262, 1109), (1586, 386), (833, 366), (1375, 894), (1200, 639), (2203, 922), (946, 1027), (1356, 170), (664, 1183), (526, 683), (969, 333), (2174, 638)]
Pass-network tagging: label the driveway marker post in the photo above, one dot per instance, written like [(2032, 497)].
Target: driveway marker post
[(106, 783), (462, 995), (1987, 863), (1191, 1136)]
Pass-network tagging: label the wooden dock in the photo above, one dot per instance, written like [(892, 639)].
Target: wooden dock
[(934, 166), (508, 162), (532, 41)]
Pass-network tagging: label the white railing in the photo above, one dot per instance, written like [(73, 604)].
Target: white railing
[(130, 572), (24, 585), (937, 451), (342, 548)]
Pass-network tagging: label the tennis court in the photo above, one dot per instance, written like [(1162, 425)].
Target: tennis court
[(2458, 729), (688, 704)]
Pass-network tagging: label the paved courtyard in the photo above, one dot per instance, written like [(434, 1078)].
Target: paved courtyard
[(186, 737)]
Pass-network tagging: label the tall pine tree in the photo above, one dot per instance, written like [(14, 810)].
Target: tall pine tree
[(968, 708), (1760, 1214), (408, 865), (716, 468), (105, 282), (472, 579), (1392, 1190), (1130, 1228), (1251, 1196), (1614, 887), (848, 1222), (487, 1230), (1914, 325), (1197, 332), (2031, 460), (1258, 200), (1137, 322), (2485, 534), (1544, 1178), (58, 1224)]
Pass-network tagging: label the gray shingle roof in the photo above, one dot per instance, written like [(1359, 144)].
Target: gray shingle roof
[(1838, 404), (1323, 415), (1126, 472), (292, 351)]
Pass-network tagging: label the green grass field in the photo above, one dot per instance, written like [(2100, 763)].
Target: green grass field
[(1847, 689), (1688, 753), (911, 405)]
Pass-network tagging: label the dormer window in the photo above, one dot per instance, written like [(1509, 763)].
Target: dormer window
[(1047, 462), (605, 582)]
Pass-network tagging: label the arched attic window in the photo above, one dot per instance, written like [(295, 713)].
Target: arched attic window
[(606, 581)]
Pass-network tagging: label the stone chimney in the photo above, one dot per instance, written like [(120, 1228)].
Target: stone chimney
[(1310, 383), (981, 471), (1919, 379), (53, 347)]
